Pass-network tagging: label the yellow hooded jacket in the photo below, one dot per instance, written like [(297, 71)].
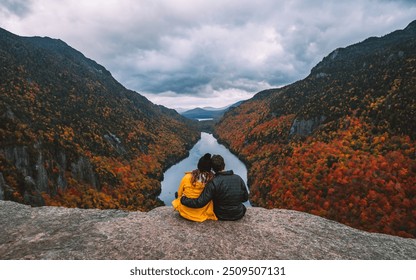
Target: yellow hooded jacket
[(193, 191)]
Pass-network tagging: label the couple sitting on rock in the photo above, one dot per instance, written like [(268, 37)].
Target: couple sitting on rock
[(204, 195)]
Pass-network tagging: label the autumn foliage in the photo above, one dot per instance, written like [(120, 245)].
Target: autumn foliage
[(341, 143), (71, 135)]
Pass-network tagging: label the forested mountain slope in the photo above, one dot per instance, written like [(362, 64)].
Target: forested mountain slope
[(71, 135), (341, 142)]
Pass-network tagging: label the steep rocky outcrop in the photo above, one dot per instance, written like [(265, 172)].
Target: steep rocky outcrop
[(64, 233), (2, 186), (306, 127)]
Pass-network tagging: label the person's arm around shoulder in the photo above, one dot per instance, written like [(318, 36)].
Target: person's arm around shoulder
[(244, 189), (203, 199)]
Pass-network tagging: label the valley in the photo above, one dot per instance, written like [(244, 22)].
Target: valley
[(340, 144)]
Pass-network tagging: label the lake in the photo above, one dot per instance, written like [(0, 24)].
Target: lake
[(207, 144)]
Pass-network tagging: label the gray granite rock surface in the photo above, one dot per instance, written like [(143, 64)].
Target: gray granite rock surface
[(63, 233)]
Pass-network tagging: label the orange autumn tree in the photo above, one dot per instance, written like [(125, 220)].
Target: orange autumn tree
[(364, 187)]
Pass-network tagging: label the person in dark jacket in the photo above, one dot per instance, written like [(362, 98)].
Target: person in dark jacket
[(227, 190)]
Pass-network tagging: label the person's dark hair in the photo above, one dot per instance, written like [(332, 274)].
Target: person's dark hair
[(217, 163), (204, 163), (203, 173)]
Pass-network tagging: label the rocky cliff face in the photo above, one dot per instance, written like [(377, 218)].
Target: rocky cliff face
[(64, 233)]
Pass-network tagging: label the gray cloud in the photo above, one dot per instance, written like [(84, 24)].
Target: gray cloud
[(210, 52), (15, 7)]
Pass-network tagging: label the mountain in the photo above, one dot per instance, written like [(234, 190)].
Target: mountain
[(71, 135), (200, 113), (208, 112), (339, 143)]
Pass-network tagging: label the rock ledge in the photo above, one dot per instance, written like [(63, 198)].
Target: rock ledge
[(64, 233)]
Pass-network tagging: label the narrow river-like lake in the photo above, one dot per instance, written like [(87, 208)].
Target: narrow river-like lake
[(207, 144)]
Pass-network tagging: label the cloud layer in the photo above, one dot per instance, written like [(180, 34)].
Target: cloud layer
[(206, 53)]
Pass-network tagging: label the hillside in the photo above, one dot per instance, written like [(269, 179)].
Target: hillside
[(208, 113), (341, 142), (91, 234), (71, 135)]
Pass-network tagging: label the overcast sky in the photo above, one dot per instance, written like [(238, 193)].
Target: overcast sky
[(206, 53)]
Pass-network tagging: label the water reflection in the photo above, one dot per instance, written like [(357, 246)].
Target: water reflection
[(207, 144)]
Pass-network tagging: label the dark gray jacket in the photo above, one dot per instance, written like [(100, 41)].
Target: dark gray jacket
[(228, 191)]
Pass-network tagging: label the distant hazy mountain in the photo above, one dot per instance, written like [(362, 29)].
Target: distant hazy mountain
[(208, 112)]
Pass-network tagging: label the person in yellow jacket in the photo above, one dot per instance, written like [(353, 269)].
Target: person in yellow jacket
[(192, 184)]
